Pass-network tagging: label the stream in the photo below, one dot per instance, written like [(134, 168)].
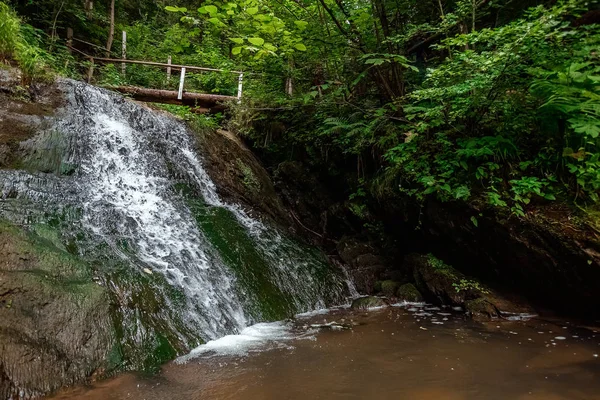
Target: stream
[(407, 351), (141, 260)]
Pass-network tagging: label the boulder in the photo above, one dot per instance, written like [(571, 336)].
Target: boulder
[(439, 279), (55, 323), (408, 292), (481, 308), (364, 303), (365, 266), (443, 284), (389, 288)]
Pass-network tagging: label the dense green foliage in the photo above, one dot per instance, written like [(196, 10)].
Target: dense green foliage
[(493, 101)]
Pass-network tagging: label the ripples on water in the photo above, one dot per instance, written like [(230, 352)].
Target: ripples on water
[(409, 351)]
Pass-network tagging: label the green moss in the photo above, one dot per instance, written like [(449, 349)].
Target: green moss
[(147, 315), (389, 288), (46, 153), (481, 308), (437, 263), (249, 179), (409, 292), (363, 303), (238, 251), (442, 268)]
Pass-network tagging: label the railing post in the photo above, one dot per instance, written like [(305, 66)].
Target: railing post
[(124, 52), (69, 37), (181, 80), (169, 70), (240, 83), (90, 70)]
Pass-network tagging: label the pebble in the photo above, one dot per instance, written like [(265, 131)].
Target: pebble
[(146, 270), (560, 338)]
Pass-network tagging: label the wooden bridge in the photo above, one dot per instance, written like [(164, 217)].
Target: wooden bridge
[(201, 102)]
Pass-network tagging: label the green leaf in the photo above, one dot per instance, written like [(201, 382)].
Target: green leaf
[(270, 47), (301, 24), (462, 192), (236, 50), (237, 40), (474, 221), (214, 20), (211, 9), (172, 9), (300, 46), (202, 10), (376, 61), (252, 10), (256, 41)]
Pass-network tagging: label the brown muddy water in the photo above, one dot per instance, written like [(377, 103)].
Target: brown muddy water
[(409, 352)]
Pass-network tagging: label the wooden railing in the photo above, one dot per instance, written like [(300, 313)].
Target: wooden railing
[(169, 66)]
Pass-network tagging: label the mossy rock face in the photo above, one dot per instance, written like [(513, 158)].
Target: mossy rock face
[(481, 309), (55, 327), (437, 278), (409, 292), (364, 303), (389, 288)]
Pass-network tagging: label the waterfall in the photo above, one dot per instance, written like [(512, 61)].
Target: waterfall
[(125, 185)]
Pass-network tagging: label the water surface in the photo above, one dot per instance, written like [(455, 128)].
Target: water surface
[(410, 352)]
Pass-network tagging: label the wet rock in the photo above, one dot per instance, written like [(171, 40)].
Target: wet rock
[(408, 292), (350, 249), (439, 279), (441, 283), (551, 255), (22, 113), (55, 326), (239, 175), (365, 266), (389, 288), (363, 303), (481, 308)]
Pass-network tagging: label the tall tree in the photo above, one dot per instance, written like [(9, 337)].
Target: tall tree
[(111, 32)]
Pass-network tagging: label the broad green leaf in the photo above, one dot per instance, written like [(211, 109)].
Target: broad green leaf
[(376, 61), (237, 40), (214, 20), (474, 221), (236, 50), (211, 9), (300, 46), (252, 10), (256, 41), (301, 24), (172, 9)]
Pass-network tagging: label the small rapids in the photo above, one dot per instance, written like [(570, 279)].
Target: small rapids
[(124, 186)]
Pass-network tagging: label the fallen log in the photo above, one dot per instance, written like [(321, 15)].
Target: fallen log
[(212, 102)]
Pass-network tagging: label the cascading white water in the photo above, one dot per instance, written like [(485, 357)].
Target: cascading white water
[(123, 160)]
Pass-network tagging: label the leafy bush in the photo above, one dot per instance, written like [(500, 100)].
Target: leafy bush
[(14, 45), (9, 32)]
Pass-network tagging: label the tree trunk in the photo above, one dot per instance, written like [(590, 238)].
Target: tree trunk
[(111, 32), (213, 102), (89, 6)]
